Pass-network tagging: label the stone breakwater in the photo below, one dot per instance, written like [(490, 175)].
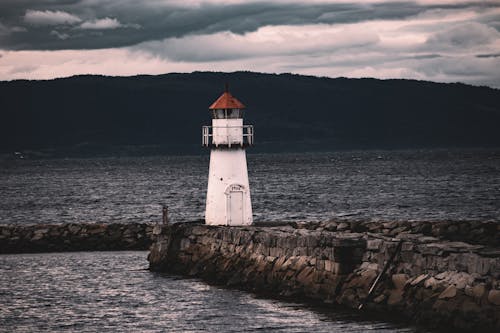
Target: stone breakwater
[(434, 280), (75, 237)]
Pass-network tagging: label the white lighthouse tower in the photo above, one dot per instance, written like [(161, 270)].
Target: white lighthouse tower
[(228, 193)]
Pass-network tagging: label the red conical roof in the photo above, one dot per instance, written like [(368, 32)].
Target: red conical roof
[(226, 101)]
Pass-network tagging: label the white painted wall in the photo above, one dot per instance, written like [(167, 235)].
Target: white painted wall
[(228, 192), (227, 131)]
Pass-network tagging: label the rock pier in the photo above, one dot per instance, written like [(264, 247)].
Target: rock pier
[(16, 238), (443, 275)]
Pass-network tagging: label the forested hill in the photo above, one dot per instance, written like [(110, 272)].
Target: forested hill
[(165, 113)]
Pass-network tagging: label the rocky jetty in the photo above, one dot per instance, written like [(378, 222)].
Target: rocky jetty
[(75, 237), (438, 278)]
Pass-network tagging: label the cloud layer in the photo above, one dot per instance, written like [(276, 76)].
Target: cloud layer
[(48, 17), (431, 40)]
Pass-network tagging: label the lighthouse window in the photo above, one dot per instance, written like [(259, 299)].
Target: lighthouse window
[(218, 114), (234, 113), (227, 113)]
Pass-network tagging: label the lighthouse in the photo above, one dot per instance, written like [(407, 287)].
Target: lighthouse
[(228, 192)]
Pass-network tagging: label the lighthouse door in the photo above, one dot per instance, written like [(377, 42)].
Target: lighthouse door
[(235, 209)]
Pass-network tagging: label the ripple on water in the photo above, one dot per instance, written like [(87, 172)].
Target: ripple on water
[(393, 185), (111, 291)]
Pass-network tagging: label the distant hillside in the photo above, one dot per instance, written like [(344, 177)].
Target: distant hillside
[(290, 112)]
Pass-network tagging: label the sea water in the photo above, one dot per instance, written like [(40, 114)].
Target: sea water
[(113, 291), (388, 185)]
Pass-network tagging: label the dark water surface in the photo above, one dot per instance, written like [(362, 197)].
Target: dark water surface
[(416, 185), (111, 292)]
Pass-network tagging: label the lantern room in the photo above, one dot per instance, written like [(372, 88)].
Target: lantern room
[(226, 107), (227, 128)]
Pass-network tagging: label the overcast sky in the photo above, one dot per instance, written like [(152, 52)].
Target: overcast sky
[(436, 40)]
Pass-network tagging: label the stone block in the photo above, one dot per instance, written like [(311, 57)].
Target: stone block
[(343, 226), (419, 279), (427, 239), (6, 231), (239, 250), (434, 249), (300, 251), (477, 291), (494, 297), (305, 276), (313, 251), (479, 265), (214, 247), (37, 235), (278, 264), (231, 248), (366, 279), (461, 279), (94, 230), (262, 249), (271, 259), (399, 280), (301, 242), (289, 263), (205, 240), (197, 230), (301, 262), (449, 292), (443, 275), (275, 251), (288, 252), (329, 266), (431, 283), (407, 246), (406, 256), (398, 230), (380, 259), (327, 253), (312, 241), (289, 242), (331, 227), (390, 225), (373, 266), (419, 261)]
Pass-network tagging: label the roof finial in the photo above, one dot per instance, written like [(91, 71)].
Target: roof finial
[(226, 87)]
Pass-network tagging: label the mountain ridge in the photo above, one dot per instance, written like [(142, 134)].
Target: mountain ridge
[(290, 112)]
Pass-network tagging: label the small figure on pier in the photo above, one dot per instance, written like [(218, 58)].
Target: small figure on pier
[(164, 214), (228, 193)]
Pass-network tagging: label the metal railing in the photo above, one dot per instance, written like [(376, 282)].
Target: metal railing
[(246, 139)]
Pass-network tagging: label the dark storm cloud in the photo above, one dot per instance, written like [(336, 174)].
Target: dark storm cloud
[(488, 55), (466, 35), (92, 24)]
